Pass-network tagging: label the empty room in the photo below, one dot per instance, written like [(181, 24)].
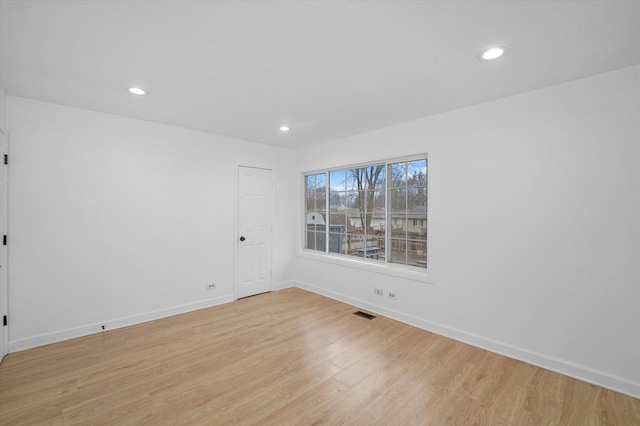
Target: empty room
[(320, 212)]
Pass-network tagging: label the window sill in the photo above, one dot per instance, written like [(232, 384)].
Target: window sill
[(409, 273)]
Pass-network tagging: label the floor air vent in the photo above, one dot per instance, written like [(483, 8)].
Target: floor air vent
[(364, 315)]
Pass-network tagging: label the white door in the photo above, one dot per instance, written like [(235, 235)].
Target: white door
[(4, 333), (253, 255)]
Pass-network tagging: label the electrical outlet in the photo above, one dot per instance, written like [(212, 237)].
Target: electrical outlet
[(211, 286), (391, 295), (378, 291)]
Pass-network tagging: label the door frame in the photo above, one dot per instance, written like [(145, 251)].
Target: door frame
[(4, 255), (236, 213)]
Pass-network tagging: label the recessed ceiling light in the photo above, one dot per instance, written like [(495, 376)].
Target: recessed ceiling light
[(284, 129), (136, 91), (493, 53)]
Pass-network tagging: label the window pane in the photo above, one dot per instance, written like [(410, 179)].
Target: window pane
[(359, 230), (370, 251), (374, 200), (338, 180), (398, 174), (398, 251), (378, 200), (378, 223), (398, 200), (367, 217), (315, 202), (310, 183), (315, 199), (417, 197), (370, 177), (315, 182), (417, 253), (398, 227), (316, 219), (417, 173), (355, 218), (354, 199), (415, 224), (310, 202), (379, 177), (321, 200), (414, 227), (310, 239), (378, 244), (420, 229), (315, 240), (353, 243), (337, 200), (336, 242), (354, 179), (338, 218)]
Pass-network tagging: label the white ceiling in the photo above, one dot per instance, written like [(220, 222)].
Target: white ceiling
[(327, 69)]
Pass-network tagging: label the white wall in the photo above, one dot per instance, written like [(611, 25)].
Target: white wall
[(116, 221), (534, 227), (3, 225)]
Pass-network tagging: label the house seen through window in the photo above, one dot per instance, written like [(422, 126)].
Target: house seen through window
[(376, 212)]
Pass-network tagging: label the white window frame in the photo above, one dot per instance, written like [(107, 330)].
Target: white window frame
[(387, 268)]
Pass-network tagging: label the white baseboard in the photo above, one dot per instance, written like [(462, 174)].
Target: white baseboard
[(72, 333), (284, 285), (586, 374)]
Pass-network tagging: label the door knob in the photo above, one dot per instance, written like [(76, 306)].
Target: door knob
[(242, 238)]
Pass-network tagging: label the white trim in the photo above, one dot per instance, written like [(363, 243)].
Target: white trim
[(386, 268), (236, 183), (86, 330), (576, 371), (385, 161), (284, 285), (4, 250), (391, 269)]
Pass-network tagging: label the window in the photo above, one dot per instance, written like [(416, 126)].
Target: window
[(377, 212)]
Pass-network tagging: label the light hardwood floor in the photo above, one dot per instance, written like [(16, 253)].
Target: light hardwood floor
[(290, 357)]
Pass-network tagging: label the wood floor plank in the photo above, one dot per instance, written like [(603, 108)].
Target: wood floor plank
[(290, 358)]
